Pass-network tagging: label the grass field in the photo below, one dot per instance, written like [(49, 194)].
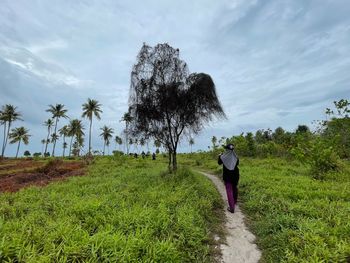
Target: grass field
[(123, 210), (296, 218)]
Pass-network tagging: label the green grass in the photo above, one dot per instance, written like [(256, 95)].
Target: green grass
[(124, 210), (295, 217)]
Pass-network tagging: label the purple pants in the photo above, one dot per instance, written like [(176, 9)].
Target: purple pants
[(232, 194)]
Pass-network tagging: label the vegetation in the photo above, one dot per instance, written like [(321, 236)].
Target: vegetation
[(295, 218), (8, 115), (57, 112), (166, 101), (125, 210), (19, 135), (107, 134), (90, 109)]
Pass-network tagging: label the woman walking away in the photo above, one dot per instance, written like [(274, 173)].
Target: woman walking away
[(230, 163)]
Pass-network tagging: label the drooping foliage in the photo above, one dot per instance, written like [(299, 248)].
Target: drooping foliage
[(167, 101)]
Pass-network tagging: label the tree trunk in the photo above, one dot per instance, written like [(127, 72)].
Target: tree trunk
[(169, 156), (3, 142), (7, 136), (54, 143), (90, 136), (104, 148), (47, 140), (64, 142), (19, 143), (174, 161), (70, 146)]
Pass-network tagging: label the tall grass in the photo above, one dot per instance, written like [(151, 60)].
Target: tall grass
[(124, 210), (295, 217)]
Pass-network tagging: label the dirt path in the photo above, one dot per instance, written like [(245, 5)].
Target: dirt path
[(239, 245)]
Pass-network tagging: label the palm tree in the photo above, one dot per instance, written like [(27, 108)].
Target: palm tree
[(65, 145), (119, 141), (54, 138), (75, 130), (106, 136), (142, 143), (128, 119), (191, 142), (43, 141), (78, 144), (18, 135), (48, 124), (91, 108), (64, 131), (8, 115), (57, 112)]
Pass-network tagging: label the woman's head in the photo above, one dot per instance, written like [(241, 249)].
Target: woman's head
[(229, 146)]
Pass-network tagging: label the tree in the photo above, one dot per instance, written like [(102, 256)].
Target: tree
[(18, 135), (64, 131), (91, 108), (78, 144), (118, 140), (127, 119), (166, 101), (43, 142), (27, 153), (250, 144), (213, 141), (278, 135), (8, 115), (142, 143), (57, 112), (106, 136), (48, 124), (302, 129), (76, 130), (64, 146), (191, 142)]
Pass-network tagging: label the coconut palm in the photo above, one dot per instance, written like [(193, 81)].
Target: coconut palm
[(8, 115), (64, 131), (76, 130), (54, 138), (65, 145), (49, 123), (91, 108), (43, 141), (191, 142), (57, 112), (106, 136), (78, 144), (128, 119), (18, 135), (142, 142), (118, 141)]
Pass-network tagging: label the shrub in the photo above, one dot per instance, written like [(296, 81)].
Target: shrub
[(321, 157)]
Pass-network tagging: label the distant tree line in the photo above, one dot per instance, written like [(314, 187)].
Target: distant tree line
[(322, 148), (72, 134)]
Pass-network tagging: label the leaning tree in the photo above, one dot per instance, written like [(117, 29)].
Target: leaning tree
[(166, 101)]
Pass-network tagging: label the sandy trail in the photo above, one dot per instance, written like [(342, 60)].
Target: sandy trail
[(239, 245)]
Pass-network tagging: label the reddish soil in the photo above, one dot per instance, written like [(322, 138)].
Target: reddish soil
[(38, 173)]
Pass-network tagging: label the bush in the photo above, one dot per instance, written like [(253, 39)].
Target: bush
[(321, 157)]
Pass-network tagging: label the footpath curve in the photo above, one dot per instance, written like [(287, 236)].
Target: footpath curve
[(240, 246)]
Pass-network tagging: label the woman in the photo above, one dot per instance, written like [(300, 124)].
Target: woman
[(230, 163)]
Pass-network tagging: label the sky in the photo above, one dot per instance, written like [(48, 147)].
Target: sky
[(274, 63)]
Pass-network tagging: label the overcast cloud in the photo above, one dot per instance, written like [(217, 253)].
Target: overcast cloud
[(275, 63)]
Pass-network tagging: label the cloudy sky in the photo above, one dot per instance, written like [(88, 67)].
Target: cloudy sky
[(274, 63)]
